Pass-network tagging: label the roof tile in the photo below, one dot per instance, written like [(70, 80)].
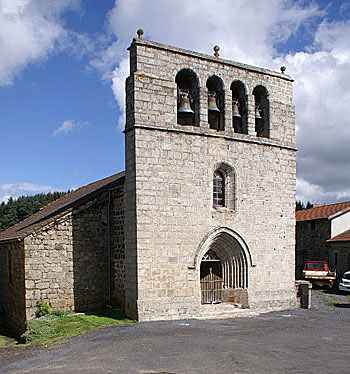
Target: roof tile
[(320, 212)]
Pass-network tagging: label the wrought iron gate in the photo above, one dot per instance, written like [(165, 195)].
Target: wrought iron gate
[(211, 287)]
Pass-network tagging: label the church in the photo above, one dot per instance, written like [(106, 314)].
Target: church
[(202, 222)]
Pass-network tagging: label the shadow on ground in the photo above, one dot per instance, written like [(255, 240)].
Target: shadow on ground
[(6, 338)]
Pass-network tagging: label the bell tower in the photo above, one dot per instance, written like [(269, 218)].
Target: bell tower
[(210, 179)]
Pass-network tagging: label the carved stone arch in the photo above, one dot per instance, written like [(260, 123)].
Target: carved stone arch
[(188, 85), (229, 173), (204, 245), (240, 104), (233, 253), (216, 97), (262, 110)]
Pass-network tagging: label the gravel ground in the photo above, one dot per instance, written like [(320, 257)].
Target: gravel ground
[(292, 341)]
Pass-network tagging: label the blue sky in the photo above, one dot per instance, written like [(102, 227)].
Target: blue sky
[(63, 64)]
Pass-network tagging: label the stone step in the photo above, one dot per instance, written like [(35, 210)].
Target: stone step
[(224, 310)]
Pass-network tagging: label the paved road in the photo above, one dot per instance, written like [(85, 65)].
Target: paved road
[(298, 341)]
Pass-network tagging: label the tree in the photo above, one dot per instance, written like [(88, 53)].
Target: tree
[(15, 211)]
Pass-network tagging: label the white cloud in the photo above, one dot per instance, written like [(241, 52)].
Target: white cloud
[(16, 190), (30, 30), (317, 194), (67, 126), (251, 32), (322, 96), (249, 37)]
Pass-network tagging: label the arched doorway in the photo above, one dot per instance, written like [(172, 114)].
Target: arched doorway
[(223, 269)]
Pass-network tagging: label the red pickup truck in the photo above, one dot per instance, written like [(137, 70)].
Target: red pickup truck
[(317, 272)]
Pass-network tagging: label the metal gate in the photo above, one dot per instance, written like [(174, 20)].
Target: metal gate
[(211, 287)]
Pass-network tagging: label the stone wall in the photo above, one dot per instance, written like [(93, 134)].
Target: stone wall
[(91, 254), (311, 237), (70, 264), (49, 266), (12, 285), (117, 246), (339, 258), (169, 174)]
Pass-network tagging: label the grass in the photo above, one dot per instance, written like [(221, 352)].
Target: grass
[(2, 341), (56, 328)]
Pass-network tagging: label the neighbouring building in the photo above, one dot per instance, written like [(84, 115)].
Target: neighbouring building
[(322, 233), (202, 224)]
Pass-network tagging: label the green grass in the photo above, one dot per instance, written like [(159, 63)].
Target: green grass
[(329, 301), (56, 328), (2, 341)]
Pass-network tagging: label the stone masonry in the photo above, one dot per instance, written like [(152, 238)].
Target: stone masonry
[(170, 219), (75, 262)]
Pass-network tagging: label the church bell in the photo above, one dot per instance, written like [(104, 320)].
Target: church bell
[(235, 110), (212, 102), (257, 112), (185, 106)]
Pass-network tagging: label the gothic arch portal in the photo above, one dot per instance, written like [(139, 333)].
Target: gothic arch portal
[(231, 251)]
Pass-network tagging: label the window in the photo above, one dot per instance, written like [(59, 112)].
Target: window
[(218, 189), (224, 186)]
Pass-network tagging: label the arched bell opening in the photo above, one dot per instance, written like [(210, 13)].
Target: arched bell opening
[(224, 272), (187, 98), (239, 107), (216, 103), (262, 126)]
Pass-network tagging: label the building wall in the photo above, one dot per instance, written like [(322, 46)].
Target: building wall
[(339, 258), (118, 246), (12, 285), (70, 264), (340, 224), (311, 237), (49, 266), (169, 187)]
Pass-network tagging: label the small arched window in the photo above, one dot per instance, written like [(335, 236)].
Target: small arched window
[(187, 98), (262, 122), (218, 189), (224, 184)]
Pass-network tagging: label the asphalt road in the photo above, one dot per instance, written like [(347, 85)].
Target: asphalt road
[(297, 341)]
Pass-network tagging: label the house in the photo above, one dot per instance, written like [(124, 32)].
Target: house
[(322, 233), (201, 225)]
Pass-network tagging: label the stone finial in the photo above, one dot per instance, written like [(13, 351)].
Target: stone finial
[(216, 50), (140, 32), (283, 69)]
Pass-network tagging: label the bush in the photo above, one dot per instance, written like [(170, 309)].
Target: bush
[(43, 309)]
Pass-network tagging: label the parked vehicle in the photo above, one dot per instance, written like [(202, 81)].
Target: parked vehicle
[(318, 273), (344, 284)]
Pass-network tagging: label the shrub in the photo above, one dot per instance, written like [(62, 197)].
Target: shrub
[(43, 308)]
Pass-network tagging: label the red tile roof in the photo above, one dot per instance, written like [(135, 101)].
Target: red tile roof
[(60, 207), (343, 237), (325, 211)]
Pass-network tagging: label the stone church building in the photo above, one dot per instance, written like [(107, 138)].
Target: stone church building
[(202, 222)]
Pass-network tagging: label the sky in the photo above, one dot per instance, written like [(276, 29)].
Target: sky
[(63, 65)]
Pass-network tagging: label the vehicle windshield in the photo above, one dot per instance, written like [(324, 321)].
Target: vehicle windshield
[(346, 276), (312, 266)]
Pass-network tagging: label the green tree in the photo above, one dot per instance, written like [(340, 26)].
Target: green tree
[(17, 210)]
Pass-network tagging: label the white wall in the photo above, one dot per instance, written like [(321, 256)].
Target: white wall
[(340, 224)]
